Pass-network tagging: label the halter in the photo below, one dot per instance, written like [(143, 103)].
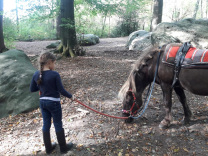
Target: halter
[(134, 103)]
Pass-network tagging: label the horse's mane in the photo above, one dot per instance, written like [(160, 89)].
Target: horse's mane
[(138, 65)]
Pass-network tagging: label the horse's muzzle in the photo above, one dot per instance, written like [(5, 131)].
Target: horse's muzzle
[(129, 120)]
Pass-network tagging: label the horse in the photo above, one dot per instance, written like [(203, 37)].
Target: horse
[(192, 77)]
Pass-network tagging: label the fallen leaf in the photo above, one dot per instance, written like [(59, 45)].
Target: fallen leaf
[(119, 154), (185, 149), (176, 150)]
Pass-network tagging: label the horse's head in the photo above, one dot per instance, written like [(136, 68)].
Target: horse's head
[(132, 102), (140, 77), (132, 94)]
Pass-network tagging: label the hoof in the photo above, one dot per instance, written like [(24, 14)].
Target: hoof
[(185, 121), (164, 124), (161, 126)]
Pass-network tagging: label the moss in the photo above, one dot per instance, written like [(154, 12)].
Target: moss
[(16, 72)]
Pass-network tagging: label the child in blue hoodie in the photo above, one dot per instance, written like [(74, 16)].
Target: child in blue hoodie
[(48, 83)]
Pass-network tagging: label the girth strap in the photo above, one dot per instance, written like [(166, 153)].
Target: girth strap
[(181, 53)]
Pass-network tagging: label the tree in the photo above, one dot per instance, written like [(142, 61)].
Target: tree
[(129, 17), (106, 8), (157, 14), (58, 20), (196, 9), (67, 28), (2, 45), (207, 9), (17, 15)]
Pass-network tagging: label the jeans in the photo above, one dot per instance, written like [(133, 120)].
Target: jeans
[(51, 109)]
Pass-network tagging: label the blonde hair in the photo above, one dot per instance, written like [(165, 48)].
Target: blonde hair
[(43, 60)]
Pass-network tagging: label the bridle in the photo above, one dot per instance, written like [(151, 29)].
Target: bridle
[(134, 104)]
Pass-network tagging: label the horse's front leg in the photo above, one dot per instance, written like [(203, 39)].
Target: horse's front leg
[(182, 98), (167, 100)]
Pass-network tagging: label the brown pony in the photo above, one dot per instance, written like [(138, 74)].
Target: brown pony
[(191, 77)]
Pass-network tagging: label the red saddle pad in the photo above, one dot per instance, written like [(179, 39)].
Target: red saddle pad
[(193, 56)]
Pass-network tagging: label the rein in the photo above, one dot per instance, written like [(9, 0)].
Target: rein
[(116, 117), (134, 103)]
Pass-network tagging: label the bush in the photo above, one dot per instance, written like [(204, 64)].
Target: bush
[(125, 27), (10, 32), (31, 30)]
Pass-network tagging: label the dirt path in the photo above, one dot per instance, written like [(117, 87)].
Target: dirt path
[(96, 79)]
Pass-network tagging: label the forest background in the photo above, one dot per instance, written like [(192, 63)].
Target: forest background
[(38, 19)]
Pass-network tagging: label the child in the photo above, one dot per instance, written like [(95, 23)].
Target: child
[(48, 83)]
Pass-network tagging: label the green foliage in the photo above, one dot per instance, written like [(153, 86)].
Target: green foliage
[(130, 19), (33, 30), (124, 28), (42, 10), (9, 32), (91, 17)]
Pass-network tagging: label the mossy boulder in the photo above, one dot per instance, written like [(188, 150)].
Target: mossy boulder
[(16, 72), (134, 36), (87, 39), (53, 45), (186, 30), (182, 31)]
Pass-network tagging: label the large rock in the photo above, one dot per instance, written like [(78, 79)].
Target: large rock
[(141, 42), (16, 72), (183, 31), (135, 35), (53, 45), (87, 39), (178, 32)]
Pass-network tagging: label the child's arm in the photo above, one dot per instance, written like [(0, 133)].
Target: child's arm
[(61, 88), (33, 85)]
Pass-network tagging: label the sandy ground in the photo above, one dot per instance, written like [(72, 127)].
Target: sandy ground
[(95, 79)]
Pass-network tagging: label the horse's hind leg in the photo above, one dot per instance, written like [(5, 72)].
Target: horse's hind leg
[(182, 98)]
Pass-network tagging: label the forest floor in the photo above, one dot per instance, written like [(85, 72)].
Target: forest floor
[(95, 79)]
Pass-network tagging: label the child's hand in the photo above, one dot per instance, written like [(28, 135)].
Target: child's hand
[(73, 98)]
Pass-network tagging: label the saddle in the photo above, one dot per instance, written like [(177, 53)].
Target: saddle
[(184, 56)]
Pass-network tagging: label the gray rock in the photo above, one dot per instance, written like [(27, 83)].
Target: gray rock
[(53, 45), (141, 42), (88, 39), (182, 31), (16, 72), (135, 35), (178, 32)]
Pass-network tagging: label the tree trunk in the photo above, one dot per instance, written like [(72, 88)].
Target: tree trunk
[(201, 9), (2, 45), (157, 13), (196, 9), (17, 16), (104, 20), (67, 28), (207, 9), (58, 20), (58, 23)]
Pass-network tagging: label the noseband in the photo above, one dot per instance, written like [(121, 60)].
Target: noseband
[(134, 103)]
